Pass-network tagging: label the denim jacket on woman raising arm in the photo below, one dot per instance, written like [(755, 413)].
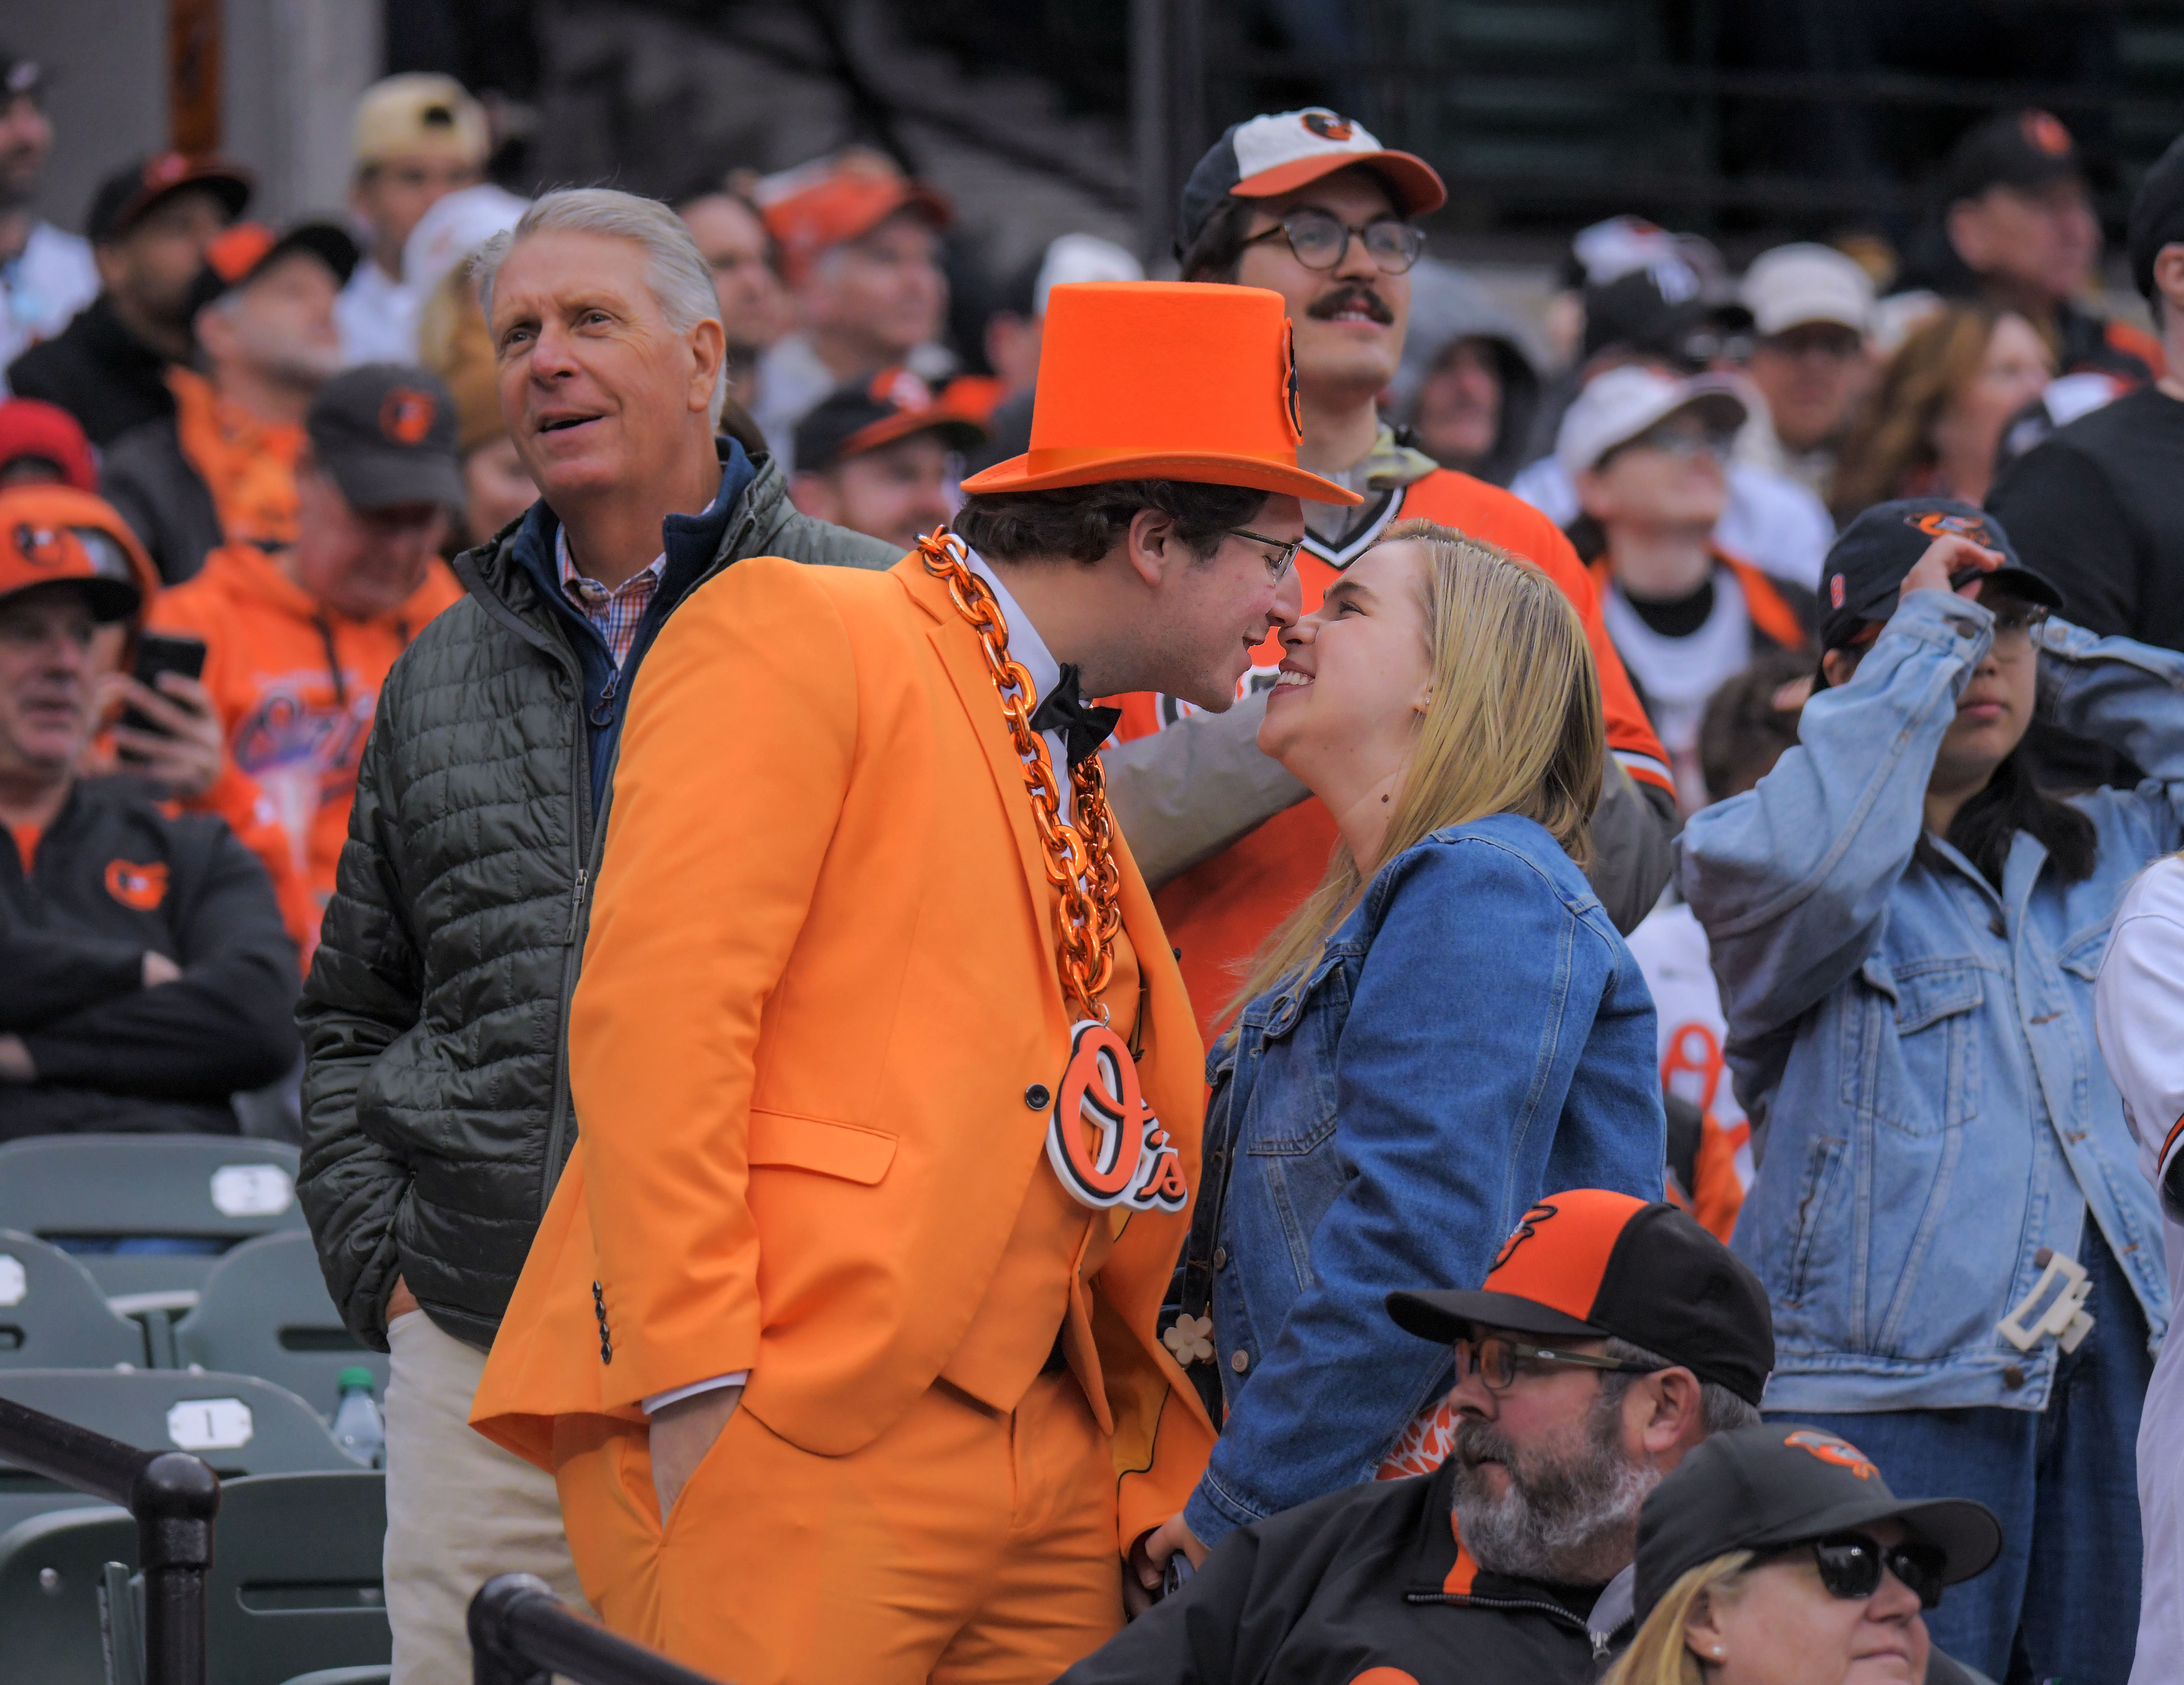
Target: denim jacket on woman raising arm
[(1916, 1048), (1474, 1035)]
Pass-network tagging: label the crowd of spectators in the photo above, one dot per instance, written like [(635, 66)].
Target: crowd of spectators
[(1867, 572)]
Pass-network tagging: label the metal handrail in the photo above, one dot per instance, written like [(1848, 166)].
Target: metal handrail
[(521, 1634), (174, 1498)]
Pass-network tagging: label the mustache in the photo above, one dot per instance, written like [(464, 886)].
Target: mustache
[(1328, 304)]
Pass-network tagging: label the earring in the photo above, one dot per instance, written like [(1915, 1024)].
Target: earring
[(1716, 1650)]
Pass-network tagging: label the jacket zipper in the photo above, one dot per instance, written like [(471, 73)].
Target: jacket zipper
[(576, 905), (1555, 1610)]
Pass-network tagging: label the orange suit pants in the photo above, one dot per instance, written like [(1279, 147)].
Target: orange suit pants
[(965, 1546)]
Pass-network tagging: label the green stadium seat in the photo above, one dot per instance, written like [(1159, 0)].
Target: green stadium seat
[(238, 1424), (52, 1315), (220, 1189), (264, 1310), (52, 1575)]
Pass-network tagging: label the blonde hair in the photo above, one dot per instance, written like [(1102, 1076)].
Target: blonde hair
[(1659, 1655), (1514, 726), (1890, 445)]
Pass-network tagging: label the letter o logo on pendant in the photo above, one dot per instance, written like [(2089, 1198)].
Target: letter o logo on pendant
[(1101, 1087)]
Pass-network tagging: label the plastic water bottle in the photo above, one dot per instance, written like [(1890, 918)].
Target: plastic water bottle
[(357, 1427)]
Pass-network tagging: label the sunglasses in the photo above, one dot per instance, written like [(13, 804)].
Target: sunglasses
[(1319, 240), (1851, 1565)]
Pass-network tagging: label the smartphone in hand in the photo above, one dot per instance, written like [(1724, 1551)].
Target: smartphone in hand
[(162, 652)]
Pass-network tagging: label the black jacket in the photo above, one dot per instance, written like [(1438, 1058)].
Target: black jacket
[(113, 876), (99, 372), (145, 475), (436, 1097), (1370, 1576)]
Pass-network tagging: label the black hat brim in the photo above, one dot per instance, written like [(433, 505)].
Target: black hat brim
[(1445, 1317), (385, 479), (110, 600), (1965, 1532)]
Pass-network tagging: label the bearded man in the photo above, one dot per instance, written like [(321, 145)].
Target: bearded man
[(1611, 1336)]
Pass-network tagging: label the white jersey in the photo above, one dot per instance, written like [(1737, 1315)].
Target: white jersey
[(2139, 1013), (1670, 946), (47, 283)]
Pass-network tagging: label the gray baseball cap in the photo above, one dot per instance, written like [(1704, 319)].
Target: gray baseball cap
[(387, 434)]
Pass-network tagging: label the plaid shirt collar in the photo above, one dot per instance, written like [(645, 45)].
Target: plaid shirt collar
[(615, 613)]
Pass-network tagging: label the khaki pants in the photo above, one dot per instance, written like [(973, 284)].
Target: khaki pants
[(459, 1509)]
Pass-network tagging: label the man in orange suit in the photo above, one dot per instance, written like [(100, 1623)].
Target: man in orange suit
[(839, 1332)]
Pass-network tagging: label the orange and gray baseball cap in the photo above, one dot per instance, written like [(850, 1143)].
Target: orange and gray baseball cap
[(1589, 1265), (1264, 156), (244, 251), (387, 434), (52, 535), (865, 414), (125, 197), (830, 200)]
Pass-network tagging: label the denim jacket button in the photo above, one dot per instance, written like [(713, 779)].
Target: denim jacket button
[(1220, 1258), (2013, 1377), (1239, 1360)]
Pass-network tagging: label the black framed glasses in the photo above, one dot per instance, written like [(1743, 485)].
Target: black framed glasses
[(1499, 1360), (1850, 1565), (1319, 240), (1285, 550)]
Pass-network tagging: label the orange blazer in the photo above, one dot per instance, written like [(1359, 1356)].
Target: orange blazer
[(819, 984)]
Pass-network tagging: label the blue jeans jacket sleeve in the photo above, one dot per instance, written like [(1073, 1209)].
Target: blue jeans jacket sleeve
[(1791, 878), (1480, 994), (2127, 694)]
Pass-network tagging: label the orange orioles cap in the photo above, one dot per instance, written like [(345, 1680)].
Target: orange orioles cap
[(1163, 379), (50, 534), (1589, 1265)]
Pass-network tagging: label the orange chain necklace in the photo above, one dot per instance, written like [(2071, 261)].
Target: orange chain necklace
[(1080, 858)]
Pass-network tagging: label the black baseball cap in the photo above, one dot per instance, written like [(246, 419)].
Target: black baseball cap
[(1589, 1265), (246, 250), (1662, 312), (867, 414), (1755, 1488), (2157, 216), (387, 434), (124, 197), (2023, 150), (1865, 568)]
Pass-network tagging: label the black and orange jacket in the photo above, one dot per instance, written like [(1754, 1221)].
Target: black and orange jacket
[(81, 903), (1371, 1577)]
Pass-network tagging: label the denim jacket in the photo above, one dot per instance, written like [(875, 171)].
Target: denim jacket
[(1474, 1035), (1916, 1050)]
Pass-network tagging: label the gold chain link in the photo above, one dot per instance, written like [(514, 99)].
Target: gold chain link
[(1080, 858)]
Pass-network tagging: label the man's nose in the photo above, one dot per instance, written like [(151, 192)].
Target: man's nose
[(1288, 602), (1469, 1396), (1356, 263), (550, 353)]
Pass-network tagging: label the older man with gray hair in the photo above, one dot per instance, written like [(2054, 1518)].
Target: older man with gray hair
[(435, 1100)]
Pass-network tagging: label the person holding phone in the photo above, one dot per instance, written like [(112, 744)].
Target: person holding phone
[(1964, 1262)]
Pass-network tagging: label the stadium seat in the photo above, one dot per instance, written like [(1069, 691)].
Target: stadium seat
[(52, 1315), (238, 1424), (51, 1572), (103, 1187), (264, 1310)]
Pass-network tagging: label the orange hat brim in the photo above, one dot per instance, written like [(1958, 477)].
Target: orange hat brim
[(1052, 470)]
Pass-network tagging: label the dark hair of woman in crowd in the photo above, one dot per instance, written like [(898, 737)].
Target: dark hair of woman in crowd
[(1933, 421)]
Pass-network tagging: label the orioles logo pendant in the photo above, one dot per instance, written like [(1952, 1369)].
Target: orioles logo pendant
[(1134, 1163)]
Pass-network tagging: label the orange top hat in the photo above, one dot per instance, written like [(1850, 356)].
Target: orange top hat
[(1163, 379)]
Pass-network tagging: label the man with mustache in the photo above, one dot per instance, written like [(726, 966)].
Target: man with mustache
[(1309, 205), (1611, 1336)]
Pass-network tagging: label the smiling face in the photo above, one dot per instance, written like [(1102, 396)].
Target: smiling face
[(48, 674), (880, 296), (1349, 320), (599, 390), (1782, 1626), (1356, 674), (1196, 641)]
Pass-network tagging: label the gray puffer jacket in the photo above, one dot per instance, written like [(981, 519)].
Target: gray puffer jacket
[(436, 1103)]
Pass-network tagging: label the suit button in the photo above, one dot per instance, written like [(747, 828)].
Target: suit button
[(1239, 1360), (1037, 1098), (1220, 1258), (2013, 1377)]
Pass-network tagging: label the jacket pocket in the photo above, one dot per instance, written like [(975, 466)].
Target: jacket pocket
[(849, 1152), (1908, 1043)]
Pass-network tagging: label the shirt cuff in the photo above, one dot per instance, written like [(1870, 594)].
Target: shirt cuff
[(675, 1395)]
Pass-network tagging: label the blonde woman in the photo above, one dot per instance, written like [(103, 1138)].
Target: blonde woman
[(1777, 1555), (1447, 1028)]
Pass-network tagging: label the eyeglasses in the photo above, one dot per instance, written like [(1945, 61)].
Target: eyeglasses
[(1319, 240), (1285, 550), (1499, 1360), (1681, 439), (1850, 1565)]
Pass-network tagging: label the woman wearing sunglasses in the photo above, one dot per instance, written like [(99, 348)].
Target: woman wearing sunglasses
[(1777, 1555), (1447, 1028)]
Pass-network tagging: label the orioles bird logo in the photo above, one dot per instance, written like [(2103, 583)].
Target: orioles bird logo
[(140, 887), (1329, 126), (1939, 523), (1829, 1449), (405, 415), (40, 546), (1525, 1229), (2045, 133)]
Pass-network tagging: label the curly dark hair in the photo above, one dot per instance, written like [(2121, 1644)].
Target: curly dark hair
[(1084, 522)]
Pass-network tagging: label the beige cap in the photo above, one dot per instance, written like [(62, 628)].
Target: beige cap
[(1795, 284), (418, 112)]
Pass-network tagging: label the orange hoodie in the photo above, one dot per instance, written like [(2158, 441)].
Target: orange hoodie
[(296, 683)]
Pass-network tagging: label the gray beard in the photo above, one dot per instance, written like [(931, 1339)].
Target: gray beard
[(1569, 1519)]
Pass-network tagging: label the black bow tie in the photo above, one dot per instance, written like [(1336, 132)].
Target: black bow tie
[(1084, 728)]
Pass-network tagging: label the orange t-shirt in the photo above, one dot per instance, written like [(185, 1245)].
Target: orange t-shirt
[(1219, 911), (295, 683)]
